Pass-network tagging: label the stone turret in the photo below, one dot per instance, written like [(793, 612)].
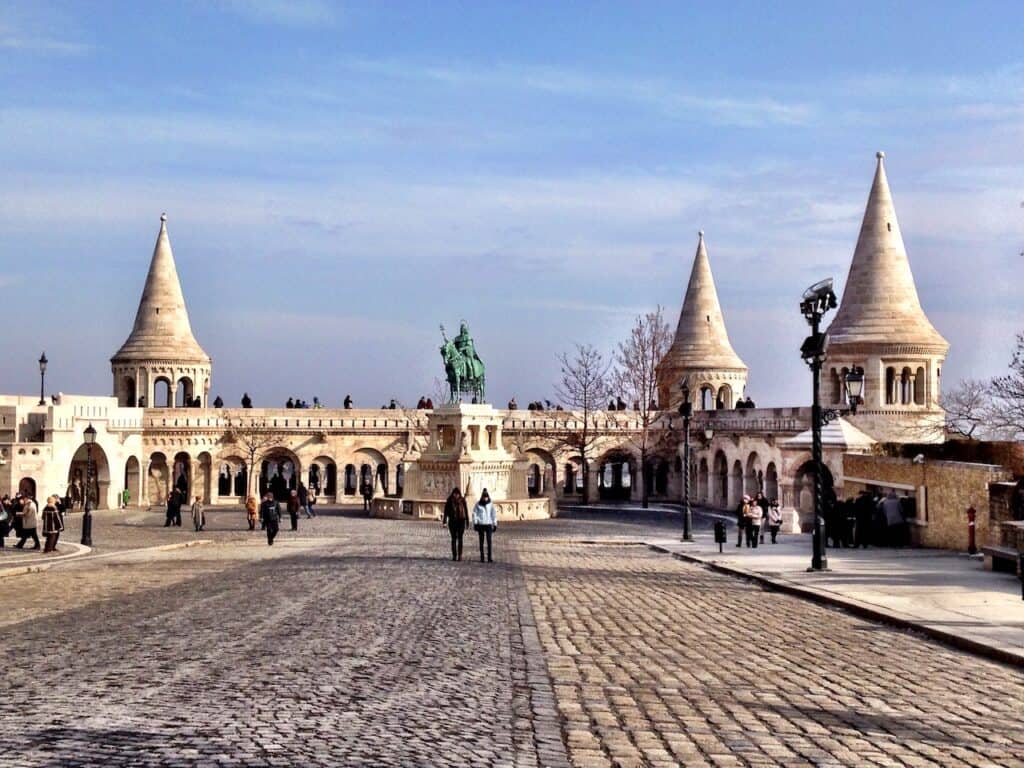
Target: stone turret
[(881, 326), (161, 348), (701, 357)]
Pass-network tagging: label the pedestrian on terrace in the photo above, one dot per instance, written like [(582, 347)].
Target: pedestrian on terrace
[(270, 513), (251, 507), (754, 517), (53, 523), (29, 516), (485, 522), (455, 517), (198, 514), (304, 500), (741, 520), (774, 519), (293, 509)]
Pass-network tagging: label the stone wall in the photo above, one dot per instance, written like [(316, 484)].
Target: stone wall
[(943, 490)]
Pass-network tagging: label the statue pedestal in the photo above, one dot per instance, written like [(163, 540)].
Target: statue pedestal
[(465, 450)]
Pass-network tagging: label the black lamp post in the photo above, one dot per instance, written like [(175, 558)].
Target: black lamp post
[(42, 378), (90, 438), (686, 411), (816, 301)]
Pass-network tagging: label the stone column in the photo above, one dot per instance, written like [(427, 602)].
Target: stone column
[(214, 479), (593, 490), (192, 474)]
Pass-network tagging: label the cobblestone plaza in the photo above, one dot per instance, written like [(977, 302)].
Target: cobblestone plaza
[(358, 642)]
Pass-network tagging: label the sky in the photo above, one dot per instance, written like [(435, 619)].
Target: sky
[(342, 178)]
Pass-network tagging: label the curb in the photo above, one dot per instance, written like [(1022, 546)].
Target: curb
[(40, 567), (19, 570), (858, 608)]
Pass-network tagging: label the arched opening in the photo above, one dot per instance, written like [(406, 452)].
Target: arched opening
[(752, 478), (162, 392), (183, 397), (365, 479), (279, 474), (373, 466), (707, 398), (232, 477), (890, 386), (569, 472), (158, 482), (535, 480), (661, 477), (98, 485), (720, 480), (351, 483), (906, 390), (735, 483), (322, 478), (703, 491), (202, 483), (181, 474), (803, 488), (133, 480), (724, 398), (919, 382), (400, 480), (128, 391), (771, 482), (382, 477), (615, 478)]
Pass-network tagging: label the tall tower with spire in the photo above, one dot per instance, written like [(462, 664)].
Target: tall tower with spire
[(881, 327), (701, 360), (161, 354)]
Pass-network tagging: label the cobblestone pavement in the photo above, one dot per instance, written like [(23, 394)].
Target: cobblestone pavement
[(357, 642), (656, 662)]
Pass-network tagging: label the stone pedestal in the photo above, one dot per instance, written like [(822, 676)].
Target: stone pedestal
[(465, 450)]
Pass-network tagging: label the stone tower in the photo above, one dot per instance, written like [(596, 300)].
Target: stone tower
[(161, 349), (701, 358), (881, 326)]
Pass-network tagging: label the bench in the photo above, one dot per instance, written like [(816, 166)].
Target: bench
[(1002, 559)]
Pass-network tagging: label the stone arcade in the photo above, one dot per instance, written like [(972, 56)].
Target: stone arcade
[(147, 441)]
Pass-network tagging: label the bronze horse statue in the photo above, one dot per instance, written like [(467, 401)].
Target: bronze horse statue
[(464, 370)]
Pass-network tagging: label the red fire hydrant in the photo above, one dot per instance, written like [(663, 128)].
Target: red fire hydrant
[(972, 513)]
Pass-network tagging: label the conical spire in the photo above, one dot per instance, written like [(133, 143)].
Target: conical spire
[(701, 341), (162, 329), (880, 302)]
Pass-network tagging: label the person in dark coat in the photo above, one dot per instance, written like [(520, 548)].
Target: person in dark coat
[(270, 513), (456, 515), (864, 513), (5, 519), (293, 509), (741, 520), (53, 523), (174, 502)]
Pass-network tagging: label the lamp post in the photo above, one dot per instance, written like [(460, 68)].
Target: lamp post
[(686, 411), (42, 378), (816, 301), (90, 438)]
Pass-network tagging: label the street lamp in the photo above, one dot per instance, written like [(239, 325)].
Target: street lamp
[(42, 378), (816, 301), (90, 438), (686, 411)]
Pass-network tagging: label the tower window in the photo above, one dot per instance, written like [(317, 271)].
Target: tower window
[(158, 310), (888, 225)]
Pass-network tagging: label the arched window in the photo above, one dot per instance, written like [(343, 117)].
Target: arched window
[(919, 382), (905, 386), (890, 386)]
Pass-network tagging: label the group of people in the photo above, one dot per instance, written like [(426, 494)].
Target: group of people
[(295, 402), (484, 519), (175, 501), (869, 519), (267, 512), (424, 404), (21, 515), (754, 515)]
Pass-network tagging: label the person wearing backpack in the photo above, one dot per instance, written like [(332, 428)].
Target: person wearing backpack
[(270, 513), (485, 522)]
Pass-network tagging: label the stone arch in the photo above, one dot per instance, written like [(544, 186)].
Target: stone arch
[(158, 479), (615, 474), (703, 489), (232, 477), (133, 480), (184, 391), (735, 483), (771, 481), (720, 480), (706, 401), (163, 392), (541, 462), (351, 484), (99, 480), (573, 476), (322, 479), (803, 487), (753, 477), (202, 484), (919, 386), (378, 468), (279, 473), (27, 486), (724, 397)]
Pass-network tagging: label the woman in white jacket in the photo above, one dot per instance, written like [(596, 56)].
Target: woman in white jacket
[(485, 521)]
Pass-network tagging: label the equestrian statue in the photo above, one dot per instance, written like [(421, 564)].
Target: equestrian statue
[(463, 366)]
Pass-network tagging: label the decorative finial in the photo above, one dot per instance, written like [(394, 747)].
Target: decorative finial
[(163, 217), (880, 155), (700, 233)]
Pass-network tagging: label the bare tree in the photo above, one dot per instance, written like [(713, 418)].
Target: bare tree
[(968, 409), (637, 360), (253, 439), (1008, 409), (583, 388)]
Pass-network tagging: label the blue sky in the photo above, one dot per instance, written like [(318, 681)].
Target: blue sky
[(342, 178)]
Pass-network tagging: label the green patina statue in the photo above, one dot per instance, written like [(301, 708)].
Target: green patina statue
[(462, 366)]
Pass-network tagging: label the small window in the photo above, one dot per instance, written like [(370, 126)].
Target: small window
[(888, 225)]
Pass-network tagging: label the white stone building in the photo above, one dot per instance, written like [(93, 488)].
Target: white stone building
[(149, 441)]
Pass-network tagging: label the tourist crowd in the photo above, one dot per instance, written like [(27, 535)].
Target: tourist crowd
[(22, 516)]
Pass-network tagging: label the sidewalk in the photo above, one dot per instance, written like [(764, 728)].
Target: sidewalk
[(946, 595)]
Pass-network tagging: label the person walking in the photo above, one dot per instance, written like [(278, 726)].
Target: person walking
[(762, 501), (485, 522), (455, 517), (774, 519), (5, 520), (198, 514), (293, 509), (754, 519), (304, 500), (741, 520), (311, 504), (270, 514), (251, 507), (53, 524), (29, 516)]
